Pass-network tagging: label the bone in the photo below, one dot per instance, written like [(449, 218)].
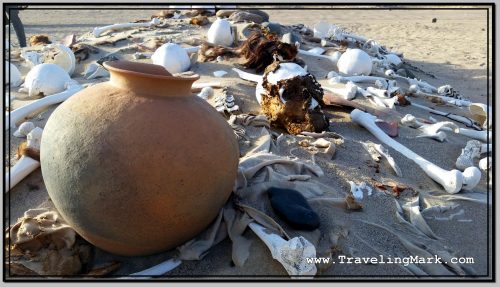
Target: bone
[(40, 105), (206, 93), (380, 97), (373, 99), (452, 181), (389, 85), (339, 34), (336, 78), (434, 130), (482, 113), (99, 72), (291, 254), (326, 43), (464, 120), (333, 58), (220, 33), (376, 151), (15, 79), (197, 87), (24, 129), (347, 92), (100, 30), (220, 73), (248, 76), (478, 135), (25, 165), (357, 189), (355, 62), (421, 84), (317, 50), (45, 80), (378, 92), (60, 55), (159, 269), (471, 151), (485, 163), (457, 102)]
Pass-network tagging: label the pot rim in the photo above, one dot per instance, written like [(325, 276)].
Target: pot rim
[(139, 69)]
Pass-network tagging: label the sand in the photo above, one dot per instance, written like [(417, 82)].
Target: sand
[(444, 49)]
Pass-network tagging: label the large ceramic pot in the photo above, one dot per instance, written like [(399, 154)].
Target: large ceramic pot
[(138, 165)]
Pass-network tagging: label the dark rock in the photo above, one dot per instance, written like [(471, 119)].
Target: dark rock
[(108, 58), (273, 27), (262, 14), (242, 16), (402, 72), (292, 207), (434, 20)]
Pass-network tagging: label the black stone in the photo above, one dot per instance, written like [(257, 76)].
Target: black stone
[(292, 207), (273, 27)]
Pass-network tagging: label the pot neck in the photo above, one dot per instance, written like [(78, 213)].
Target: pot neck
[(148, 79)]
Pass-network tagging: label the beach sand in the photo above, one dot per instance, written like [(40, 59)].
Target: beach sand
[(445, 49)]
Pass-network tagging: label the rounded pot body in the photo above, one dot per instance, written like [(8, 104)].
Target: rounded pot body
[(138, 165)]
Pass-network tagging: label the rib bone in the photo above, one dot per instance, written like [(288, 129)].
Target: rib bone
[(452, 181)]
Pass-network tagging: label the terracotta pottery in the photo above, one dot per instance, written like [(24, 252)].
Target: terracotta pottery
[(138, 165)]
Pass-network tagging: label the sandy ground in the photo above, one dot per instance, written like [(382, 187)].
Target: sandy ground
[(452, 54)]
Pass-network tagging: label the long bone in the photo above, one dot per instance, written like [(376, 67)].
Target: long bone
[(336, 78), (457, 102), (373, 99), (25, 165), (99, 30), (390, 85), (333, 58), (248, 76), (39, 105), (464, 120), (423, 85), (292, 254), (452, 181), (347, 92), (479, 135), (382, 96)]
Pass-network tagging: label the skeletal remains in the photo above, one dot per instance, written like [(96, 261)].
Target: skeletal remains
[(26, 164), (452, 181), (37, 106), (292, 254), (98, 31), (458, 102), (472, 150), (44, 80)]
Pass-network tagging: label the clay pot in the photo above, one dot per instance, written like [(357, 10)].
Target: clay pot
[(138, 165)]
